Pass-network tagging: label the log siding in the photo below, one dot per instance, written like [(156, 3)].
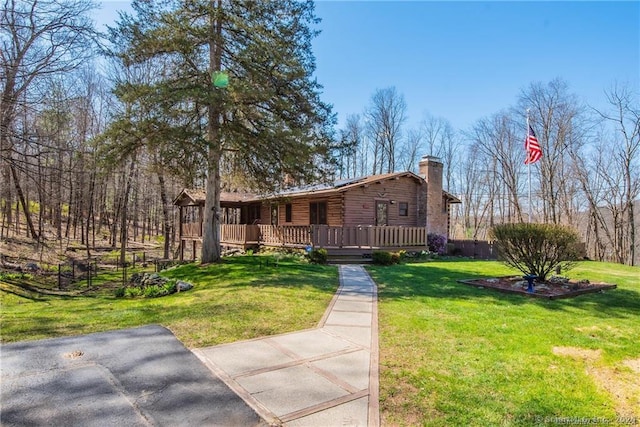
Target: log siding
[(360, 203), (351, 209)]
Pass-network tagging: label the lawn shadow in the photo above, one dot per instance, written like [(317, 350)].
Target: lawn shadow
[(259, 271)]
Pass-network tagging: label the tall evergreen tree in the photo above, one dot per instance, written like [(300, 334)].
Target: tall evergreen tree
[(269, 121)]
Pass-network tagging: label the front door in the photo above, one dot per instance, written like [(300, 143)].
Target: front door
[(382, 209)]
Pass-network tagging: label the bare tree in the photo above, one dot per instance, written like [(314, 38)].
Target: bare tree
[(476, 193), (440, 141), (38, 38), (411, 150), (554, 112), (385, 116), (624, 115), (433, 130), (349, 146), (595, 171), (500, 141)]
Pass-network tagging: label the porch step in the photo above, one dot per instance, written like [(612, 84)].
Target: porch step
[(348, 259)]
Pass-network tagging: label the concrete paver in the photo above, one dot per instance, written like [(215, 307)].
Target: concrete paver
[(349, 414), (321, 377), (349, 318)]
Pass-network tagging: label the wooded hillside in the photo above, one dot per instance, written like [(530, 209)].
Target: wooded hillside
[(99, 132)]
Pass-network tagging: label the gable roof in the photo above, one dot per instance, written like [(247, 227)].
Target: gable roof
[(450, 197), (341, 185), (195, 197), (190, 197)]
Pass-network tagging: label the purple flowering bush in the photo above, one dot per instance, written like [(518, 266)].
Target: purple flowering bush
[(437, 243)]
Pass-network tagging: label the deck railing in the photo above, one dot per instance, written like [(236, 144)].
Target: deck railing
[(322, 236), (239, 234), (286, 235), (368, 236)]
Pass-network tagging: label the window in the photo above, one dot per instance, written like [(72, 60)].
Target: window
[(253, 214), (318, 213), (287, 212), (403, 209)]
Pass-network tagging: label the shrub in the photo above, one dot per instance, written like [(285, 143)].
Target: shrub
[(153, 291), (318, 256), (119, 293), (536, 248), (132, 292), (437, 243), (388, 258), (381, 258), (398, 257), (169, 287)]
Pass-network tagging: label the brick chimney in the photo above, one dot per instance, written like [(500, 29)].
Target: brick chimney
[(436, 216)]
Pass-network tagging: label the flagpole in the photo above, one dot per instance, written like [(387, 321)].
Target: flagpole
[(528, 164)]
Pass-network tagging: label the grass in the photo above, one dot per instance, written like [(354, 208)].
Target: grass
[(240, 298), (456, 355), (450, 354)]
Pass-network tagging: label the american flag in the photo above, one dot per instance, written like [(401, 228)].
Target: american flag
[(534, 152)]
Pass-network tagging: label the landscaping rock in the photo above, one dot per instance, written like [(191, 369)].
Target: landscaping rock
[(146, 279), (32, 267), (152, 285), (183, 286), (136, 278)]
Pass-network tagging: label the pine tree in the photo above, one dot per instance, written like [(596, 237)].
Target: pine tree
[(269, 121)]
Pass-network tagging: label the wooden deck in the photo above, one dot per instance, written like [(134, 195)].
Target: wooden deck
[(346, 239)]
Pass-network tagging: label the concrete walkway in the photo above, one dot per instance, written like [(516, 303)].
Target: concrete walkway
[(326, 376)]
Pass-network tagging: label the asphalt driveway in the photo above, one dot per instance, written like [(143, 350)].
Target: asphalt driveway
[(135, 377)]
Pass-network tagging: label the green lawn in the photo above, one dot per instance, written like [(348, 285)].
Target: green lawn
[(450, 354), (456, 355), (240, 298)]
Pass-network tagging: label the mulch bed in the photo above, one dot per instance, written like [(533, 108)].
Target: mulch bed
[(554, 288)]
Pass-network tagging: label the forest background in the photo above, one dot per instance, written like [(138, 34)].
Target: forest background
[(71, 169)]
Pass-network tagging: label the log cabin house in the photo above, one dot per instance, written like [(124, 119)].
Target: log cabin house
[(379, 212)]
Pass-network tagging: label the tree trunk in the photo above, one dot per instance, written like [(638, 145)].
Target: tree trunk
[(632, 235), (166, 215), (210, 227), (90, 215), (123, 212), (7, 196), (25, 206)]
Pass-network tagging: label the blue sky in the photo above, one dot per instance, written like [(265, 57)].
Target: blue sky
[(467, 60)]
